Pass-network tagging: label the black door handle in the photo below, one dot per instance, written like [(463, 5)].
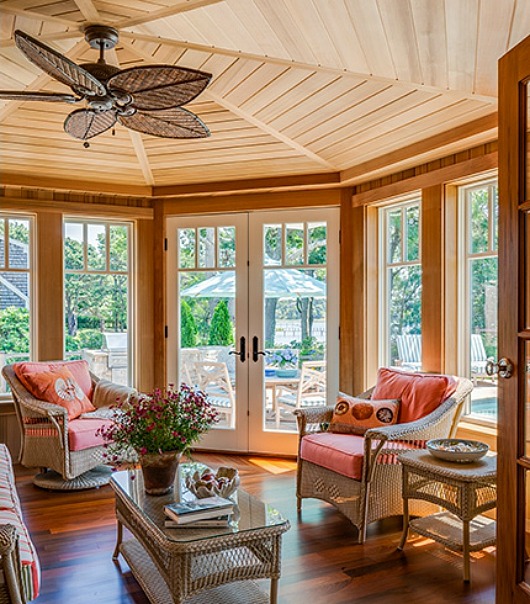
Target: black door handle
[(255, 351), (242, 352)]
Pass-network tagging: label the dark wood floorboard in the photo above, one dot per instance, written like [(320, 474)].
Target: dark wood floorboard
[(74, 534)]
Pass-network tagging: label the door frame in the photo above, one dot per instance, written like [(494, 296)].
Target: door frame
[(514, 71)]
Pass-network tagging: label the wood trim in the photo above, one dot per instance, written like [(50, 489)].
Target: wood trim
[(422, 177), (21, 180), (486, 126), (348, 239), (43, 206), (159, 297), (50, 293), (371, 284), (513, 270), (432, 291), (144, 307), (165, 12), (451, 318), (252, 201), (254, 185), (407, 85)]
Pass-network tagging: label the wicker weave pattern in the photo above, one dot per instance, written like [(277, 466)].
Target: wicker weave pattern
[(11, 589), (378, 493), (49, 450), (193, 565), (464, 490)]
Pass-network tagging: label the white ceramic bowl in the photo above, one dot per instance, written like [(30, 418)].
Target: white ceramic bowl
[(458, 450), (209, 483)]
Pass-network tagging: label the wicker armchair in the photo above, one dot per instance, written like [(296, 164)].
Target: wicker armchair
[(377, 494), (45, 442)]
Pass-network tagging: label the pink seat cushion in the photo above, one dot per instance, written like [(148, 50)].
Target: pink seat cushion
[(344, 453), (420, 394), (341, 453), (82, 433), (79, 369)]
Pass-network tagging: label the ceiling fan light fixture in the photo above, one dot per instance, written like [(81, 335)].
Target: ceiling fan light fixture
[(147, 98)]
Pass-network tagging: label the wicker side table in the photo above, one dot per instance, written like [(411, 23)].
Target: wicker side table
[(464, 490)]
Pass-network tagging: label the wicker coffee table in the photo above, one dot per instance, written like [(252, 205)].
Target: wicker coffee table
[(464, 490), (197, 566)]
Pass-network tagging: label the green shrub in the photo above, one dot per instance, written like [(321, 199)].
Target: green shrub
[(14, 329), (188, 327), (222, 329)]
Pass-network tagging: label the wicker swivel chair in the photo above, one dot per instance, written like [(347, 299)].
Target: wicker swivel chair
[(377, 493), (45, 443)]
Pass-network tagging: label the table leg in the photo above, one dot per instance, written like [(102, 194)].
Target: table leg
[(274, 591), (465, 545), (119, 538), (406, 519)]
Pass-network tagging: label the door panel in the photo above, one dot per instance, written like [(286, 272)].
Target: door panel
[(293, 294), (207, 318), (513, 583)]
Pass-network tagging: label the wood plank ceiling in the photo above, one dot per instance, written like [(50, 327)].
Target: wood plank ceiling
[(300, 87)]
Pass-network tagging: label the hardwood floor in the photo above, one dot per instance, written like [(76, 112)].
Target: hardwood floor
[(74, 534)]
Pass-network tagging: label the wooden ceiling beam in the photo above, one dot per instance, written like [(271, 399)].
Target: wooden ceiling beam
[(168, 11), (248, 117), (412, 153), (52, 37), (88, 10), (12, 9), (457, 94)]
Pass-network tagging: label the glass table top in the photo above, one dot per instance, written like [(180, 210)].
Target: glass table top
[(250, 513)]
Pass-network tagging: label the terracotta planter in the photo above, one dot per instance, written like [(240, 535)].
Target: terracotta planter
[(159, 471)]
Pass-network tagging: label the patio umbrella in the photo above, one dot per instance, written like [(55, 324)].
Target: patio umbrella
[(279, 283)]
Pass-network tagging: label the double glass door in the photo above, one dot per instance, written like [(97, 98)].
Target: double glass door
[(253, 320)]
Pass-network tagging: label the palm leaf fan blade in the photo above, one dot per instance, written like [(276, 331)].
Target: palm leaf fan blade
[(155, 87), (27, 95), (168, 123), (86, 123), (58, 66)]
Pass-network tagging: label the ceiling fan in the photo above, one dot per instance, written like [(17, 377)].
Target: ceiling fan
[(147, 99)]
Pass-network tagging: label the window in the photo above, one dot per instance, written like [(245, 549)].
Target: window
[(16, 266), (479, 212), (97, 294), (400, 270)]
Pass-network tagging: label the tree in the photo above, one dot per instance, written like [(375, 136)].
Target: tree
[(188, 327), (222, 329), (14, 329)]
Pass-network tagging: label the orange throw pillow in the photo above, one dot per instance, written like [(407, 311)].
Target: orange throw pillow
[(78, 368), (59, 386), (355, 415), (420, 394)]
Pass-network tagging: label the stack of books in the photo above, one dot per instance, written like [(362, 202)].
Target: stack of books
[(204, 513)]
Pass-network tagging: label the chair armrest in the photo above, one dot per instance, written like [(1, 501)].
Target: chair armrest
[(312, 416), (10, 562)]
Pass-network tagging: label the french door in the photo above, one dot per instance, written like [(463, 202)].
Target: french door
[(253, 320), (513, 532)]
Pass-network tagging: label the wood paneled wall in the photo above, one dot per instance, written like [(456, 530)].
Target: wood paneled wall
[(359, 265)]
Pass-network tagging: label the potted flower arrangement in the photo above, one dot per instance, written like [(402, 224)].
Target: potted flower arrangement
[(285, 360), (156, 429)]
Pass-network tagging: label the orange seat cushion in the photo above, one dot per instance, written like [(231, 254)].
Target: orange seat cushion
[(58, 386), (82, 433), (420, 394), (79, 370)]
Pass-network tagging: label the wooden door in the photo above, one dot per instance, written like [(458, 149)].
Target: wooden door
[(513, 537)]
